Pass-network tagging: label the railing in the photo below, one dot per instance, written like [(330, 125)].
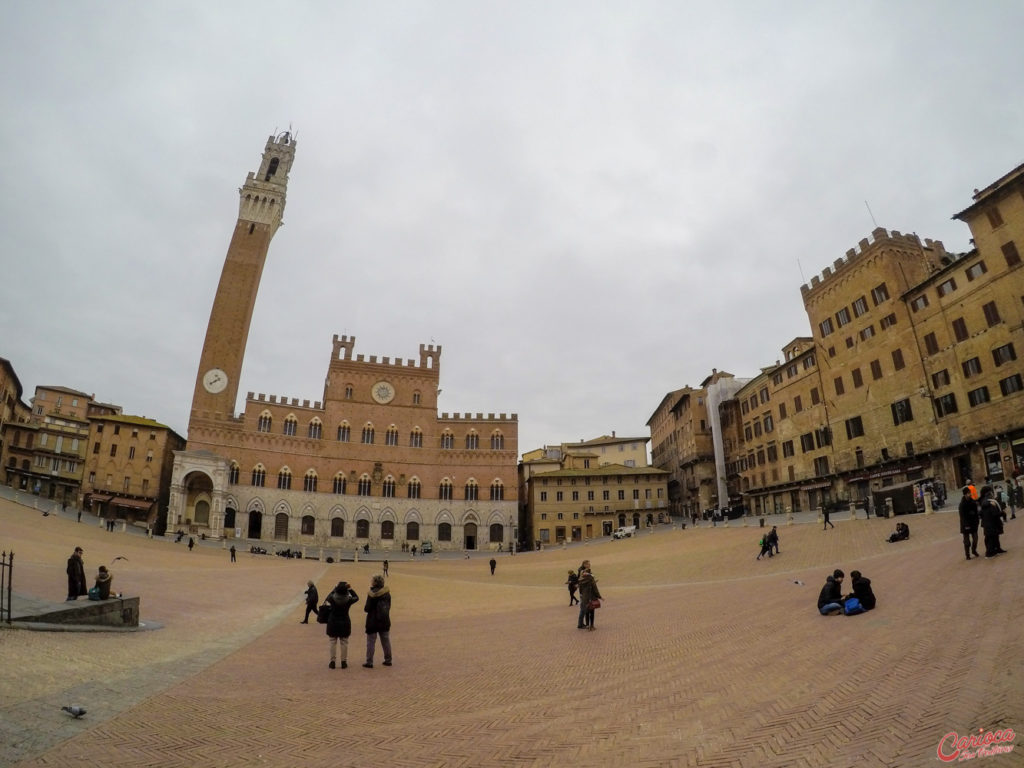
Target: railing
[(6, 577)]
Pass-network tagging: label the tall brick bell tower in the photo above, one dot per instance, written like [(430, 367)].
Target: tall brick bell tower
[(260, 207)]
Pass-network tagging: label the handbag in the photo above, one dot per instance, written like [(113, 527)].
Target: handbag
[(594, 604), (94, 593), (323, 613)]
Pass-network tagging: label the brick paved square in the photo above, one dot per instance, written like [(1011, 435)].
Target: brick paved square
[(702, 656)]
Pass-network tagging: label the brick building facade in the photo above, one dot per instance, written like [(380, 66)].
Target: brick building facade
[(372, 463)]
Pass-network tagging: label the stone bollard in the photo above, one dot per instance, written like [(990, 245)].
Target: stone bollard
[(928, 508)]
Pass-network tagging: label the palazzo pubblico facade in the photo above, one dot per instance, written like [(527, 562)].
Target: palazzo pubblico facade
[(372, 463)]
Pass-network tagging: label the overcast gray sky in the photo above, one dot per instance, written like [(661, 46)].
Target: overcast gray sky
[(588, 204)]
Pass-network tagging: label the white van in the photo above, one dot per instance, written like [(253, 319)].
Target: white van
[(624, 533)]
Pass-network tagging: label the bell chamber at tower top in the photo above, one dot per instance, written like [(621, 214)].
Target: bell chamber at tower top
[(262, 199)]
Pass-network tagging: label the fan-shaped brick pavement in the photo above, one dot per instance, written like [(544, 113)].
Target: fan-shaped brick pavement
[(702, 656)]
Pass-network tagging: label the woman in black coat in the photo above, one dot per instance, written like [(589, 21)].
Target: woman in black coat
[(991, 522), (339, 626)]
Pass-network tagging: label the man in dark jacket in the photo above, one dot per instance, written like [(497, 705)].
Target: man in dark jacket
[(830, 599), (76, 575), (862, 590), (312, 601), (339, 625), (378, 620), (969, 523), (991, 522)]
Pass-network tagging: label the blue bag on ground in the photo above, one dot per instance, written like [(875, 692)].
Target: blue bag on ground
[(852, 607)]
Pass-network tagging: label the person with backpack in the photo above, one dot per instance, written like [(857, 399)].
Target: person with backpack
[(862, 593), (378, 620), (766, 547), (573, 583), (339, 625)]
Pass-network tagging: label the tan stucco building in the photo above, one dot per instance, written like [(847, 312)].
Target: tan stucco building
[(12, 407), (694, 434), (128, 465), (577, 502), (370, 463), (912, 372), (45, 454)]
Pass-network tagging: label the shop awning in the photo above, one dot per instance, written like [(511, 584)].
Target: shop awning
[(132, 503), (99, 499)]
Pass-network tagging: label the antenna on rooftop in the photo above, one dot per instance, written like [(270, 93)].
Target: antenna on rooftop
[(871, 214), (800, 267)]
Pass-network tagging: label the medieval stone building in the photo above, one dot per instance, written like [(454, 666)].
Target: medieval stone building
[(371, 463)]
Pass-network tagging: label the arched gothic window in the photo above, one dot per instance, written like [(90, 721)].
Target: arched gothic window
[(339, 483), (364, 485), (387, 490), (284, 479), (387, 529), (444, 492), (444, 532), (308, 525), (316, 429), (309, 482), (416, 438), (472, 441), (259, 476), (497, 491), (472, 491), (362, 529), (337, 527), (414, 488), (391, 436), (368, 434), (290, 425), (233, 474), (265, 422), (412, 531), (497, 441), (344, 432), (447, 441)]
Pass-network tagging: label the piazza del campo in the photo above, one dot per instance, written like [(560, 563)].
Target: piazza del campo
[(701, 655)]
